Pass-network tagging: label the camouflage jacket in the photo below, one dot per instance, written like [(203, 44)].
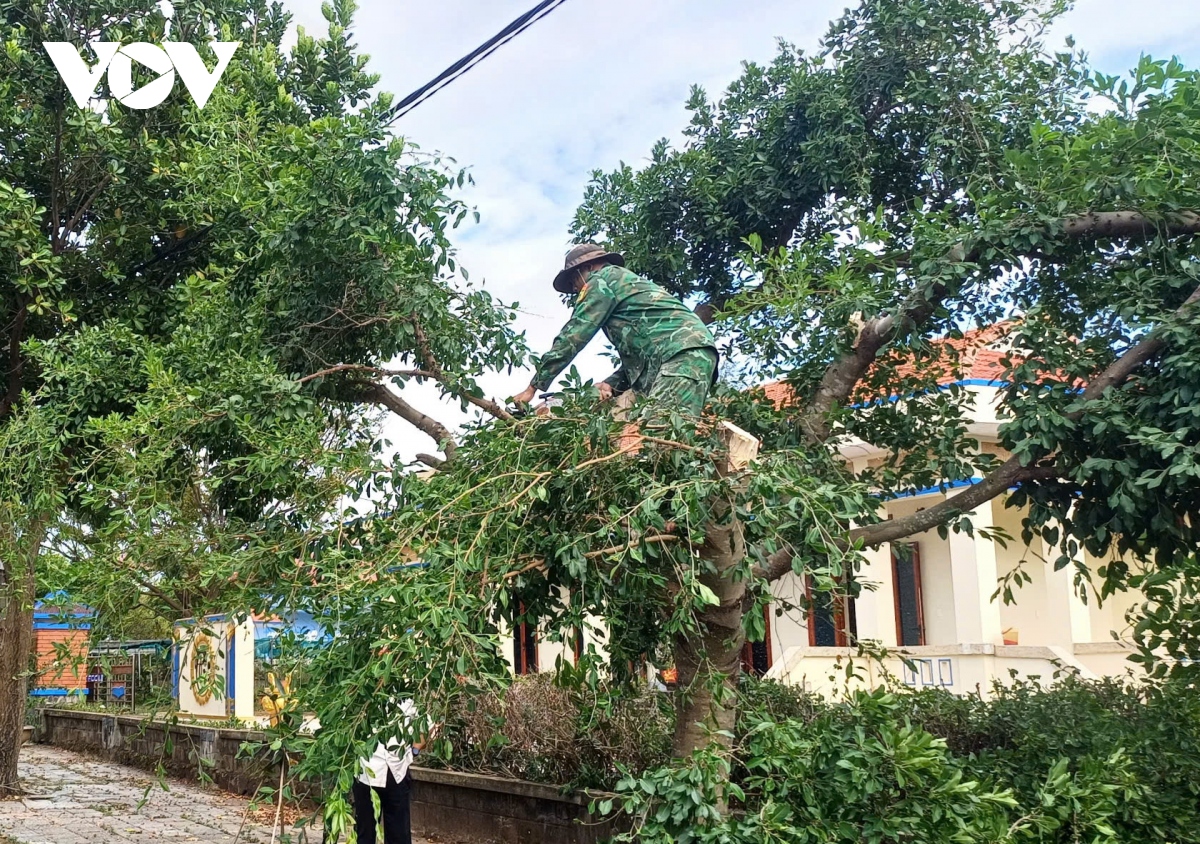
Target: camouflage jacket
[(645, 323)]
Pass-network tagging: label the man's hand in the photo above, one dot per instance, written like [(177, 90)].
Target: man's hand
[(606, 391), (526, 395)]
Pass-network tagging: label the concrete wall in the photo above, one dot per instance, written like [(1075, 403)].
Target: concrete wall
[(962, 669), (477, 808), (1029, 619)]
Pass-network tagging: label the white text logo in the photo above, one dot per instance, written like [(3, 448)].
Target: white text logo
[(164, 59)]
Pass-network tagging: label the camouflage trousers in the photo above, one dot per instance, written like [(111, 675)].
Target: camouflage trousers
[(683, 382)]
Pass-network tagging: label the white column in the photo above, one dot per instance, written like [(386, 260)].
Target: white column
[(241, 639), (1069, 618), (974, 575), (875, 609)]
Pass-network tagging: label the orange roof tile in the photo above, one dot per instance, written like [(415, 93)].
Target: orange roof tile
[(971, 357)]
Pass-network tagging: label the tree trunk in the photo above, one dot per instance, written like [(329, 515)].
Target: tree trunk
[(17, 580), (711, 660)]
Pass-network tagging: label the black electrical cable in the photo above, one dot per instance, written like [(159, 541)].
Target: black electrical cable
[(471, 59)]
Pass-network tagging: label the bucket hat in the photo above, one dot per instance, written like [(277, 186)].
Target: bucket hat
[(579, 255)]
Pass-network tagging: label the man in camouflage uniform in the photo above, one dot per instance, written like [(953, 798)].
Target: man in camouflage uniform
[(667, 353)]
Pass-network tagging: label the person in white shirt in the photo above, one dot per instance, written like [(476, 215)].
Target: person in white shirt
[(386, 772)]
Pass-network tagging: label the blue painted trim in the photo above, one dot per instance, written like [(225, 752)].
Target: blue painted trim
[(964, 382), (56, 692), (175, 670), (230, 663), (41, 625), (932, 489), (980, 382)]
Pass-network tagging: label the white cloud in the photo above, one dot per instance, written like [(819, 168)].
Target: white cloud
[(597, 82), (1115, 32)]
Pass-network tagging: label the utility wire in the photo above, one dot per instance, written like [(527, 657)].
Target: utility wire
[(471, 59)]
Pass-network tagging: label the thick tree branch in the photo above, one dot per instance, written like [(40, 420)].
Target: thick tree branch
[(381, 395), (431, 461), (432, 365), (842, 376), (1120, 369), (1009, 474), (778, 564), (1130, 224)]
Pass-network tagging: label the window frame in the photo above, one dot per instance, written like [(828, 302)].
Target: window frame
[(915, 561)]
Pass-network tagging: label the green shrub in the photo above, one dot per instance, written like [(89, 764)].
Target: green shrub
[(855, 773), (1099, 762), (1025, 727)]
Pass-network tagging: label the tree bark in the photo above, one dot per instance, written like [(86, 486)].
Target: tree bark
[(711, 658), (381, 395), (713, 655), (17, 583)]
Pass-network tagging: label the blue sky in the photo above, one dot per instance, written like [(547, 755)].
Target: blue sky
[(597, 82)]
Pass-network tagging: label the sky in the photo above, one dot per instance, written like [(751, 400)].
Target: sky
[(594, 84)]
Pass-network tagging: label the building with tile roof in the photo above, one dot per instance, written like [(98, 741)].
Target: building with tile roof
[(933, 599)]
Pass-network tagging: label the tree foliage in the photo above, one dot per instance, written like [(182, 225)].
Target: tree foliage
[(933, 169), (198, 305), (1101, 761), (208, 306)]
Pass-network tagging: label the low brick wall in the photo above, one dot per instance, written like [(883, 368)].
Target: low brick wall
[(480, 808), (185, 750), (467, 808)]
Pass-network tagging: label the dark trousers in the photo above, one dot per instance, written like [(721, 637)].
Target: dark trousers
[(393, 807)]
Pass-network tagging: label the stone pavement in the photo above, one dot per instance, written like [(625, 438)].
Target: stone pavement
[(86, 801)]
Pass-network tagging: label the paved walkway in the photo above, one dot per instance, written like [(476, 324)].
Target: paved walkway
[(85, 801)]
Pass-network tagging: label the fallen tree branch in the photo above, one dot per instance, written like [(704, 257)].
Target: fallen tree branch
[(540, 564), (658, 539)]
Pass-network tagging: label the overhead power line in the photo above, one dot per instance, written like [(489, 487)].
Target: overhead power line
[(471, 59)]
